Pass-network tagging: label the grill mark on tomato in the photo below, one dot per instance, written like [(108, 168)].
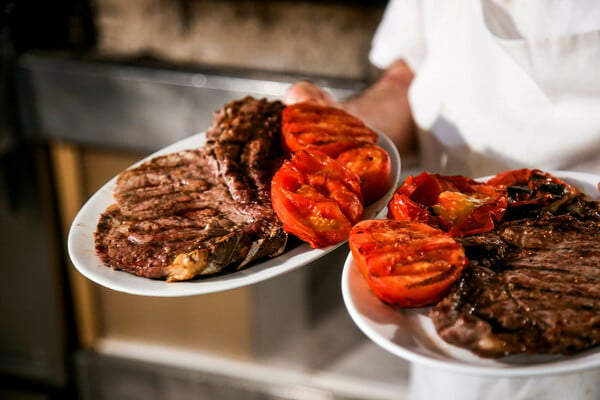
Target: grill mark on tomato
[(444, 275), (416, 268)]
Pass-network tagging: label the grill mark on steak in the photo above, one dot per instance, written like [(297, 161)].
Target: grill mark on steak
[(538, 291), (245, 150), (176, 217), (173, 183), (148, 247)]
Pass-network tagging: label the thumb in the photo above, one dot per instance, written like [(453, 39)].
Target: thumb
[(305, 91)]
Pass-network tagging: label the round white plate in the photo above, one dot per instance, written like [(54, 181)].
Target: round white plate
[(410, 334), (82, 252)]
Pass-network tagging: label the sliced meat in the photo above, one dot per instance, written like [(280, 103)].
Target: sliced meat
[(179, 215), (537, 291)]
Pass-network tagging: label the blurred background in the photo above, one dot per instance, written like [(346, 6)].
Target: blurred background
[(87, 87)]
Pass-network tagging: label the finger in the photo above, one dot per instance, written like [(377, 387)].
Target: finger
[(305, 91)]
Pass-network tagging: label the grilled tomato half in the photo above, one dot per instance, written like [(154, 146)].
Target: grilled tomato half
[(324, 128), (531, 190), (316, 198), (373, 166), (406, 263), (457, 204)]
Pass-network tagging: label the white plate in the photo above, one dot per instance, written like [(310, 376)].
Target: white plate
[(82, 252), (410, 334)]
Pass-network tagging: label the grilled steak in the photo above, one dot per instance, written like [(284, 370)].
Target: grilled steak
[(167, 185), (245, 150), (197, 212), (532, 286)]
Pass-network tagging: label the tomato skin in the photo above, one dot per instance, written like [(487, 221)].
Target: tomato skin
[(322, 128), (316, 198), (406, 263), (456, 204), (402, 208), (531, 186), (373, 166)]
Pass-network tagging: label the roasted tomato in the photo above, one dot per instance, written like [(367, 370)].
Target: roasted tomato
[(406, 263), (316, 198), (373, 166), (318, 127), (530, 189), (458, 205)]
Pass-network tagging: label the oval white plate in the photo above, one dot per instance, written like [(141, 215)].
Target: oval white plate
[(410, 334), (82, 252)]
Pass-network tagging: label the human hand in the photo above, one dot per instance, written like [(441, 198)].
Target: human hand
[(384, 106), (305, 91)]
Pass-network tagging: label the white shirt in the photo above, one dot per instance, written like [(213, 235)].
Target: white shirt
[(512, 81)]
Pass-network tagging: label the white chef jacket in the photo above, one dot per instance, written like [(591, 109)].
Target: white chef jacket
[(495, 90), (499, 84)]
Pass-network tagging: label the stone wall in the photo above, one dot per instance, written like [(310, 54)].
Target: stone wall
[(307, 37)]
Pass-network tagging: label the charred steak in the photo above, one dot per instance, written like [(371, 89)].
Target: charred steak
[(199, 211), (244, 146), (532, 286)]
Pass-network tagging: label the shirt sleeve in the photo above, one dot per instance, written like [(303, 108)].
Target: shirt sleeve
[(399, 35)]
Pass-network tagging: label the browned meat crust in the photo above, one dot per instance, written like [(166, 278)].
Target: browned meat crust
[(532, 286)]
